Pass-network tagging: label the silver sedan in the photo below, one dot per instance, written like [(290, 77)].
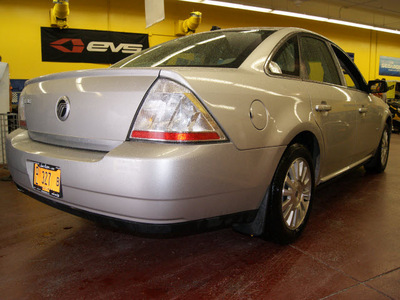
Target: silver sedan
[(224, 127)]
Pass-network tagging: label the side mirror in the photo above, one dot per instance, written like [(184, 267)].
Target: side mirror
[(377, 86)]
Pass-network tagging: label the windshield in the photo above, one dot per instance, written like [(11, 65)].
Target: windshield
[(224, 49)]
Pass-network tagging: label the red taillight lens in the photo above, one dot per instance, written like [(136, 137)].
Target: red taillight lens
[(175, 136), (22, 123)]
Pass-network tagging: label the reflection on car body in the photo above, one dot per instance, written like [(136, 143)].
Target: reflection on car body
[(229, 126)]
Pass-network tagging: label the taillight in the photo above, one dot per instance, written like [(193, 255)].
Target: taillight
[(171, 112), (21, 113)]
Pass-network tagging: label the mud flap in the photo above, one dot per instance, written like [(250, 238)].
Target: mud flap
[(257, 226)]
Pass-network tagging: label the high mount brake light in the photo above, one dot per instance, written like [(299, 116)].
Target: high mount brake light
[(171, 112)]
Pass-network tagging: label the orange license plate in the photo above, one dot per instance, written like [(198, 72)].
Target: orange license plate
[(47, 179)]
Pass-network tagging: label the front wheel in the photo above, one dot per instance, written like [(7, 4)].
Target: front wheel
[(291, 195), (378, 163)]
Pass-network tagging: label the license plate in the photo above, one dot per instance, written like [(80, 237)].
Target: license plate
[(47, 178)]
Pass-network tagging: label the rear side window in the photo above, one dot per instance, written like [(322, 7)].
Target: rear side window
[(317, 63), (224, 49), (286, 60)]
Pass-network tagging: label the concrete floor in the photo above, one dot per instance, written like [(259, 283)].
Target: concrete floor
[(350, 250)]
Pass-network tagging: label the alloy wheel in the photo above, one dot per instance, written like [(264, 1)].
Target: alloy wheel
[(296, 193), (384, 147)]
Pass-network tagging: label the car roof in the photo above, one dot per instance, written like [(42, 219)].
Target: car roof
[(285, 29)]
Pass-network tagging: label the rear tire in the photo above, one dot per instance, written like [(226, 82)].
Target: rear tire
[(291, 195), (378, 163)]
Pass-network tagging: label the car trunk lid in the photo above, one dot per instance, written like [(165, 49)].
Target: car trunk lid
[(102, 104)]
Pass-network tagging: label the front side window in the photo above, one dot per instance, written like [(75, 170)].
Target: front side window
[(317, 63), (351, 74), (286, 60), (224, 49)]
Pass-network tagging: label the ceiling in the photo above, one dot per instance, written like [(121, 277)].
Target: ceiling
[(380, 13)]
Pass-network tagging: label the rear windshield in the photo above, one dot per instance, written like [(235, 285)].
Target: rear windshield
[(224, 49)]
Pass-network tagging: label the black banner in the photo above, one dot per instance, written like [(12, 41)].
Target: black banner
[(91, 46)]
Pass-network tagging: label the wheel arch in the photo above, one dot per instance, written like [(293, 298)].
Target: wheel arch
[(389, 121), (257, 226), (310, 141)]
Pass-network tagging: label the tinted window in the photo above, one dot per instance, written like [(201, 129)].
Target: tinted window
[(351, 74), (286, 59), (317, 63), (212, 49)]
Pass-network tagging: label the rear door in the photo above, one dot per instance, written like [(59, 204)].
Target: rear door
[(333, 107)]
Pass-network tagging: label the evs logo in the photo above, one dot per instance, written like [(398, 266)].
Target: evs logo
[(90, 46), (78, 46)]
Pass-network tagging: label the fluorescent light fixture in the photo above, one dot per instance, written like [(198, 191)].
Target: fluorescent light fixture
[(297, 15), (291, 14), (231, 5), (387, 30), (358, 25), (351, 24)]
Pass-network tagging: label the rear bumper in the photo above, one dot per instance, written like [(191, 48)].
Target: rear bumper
[(162, 230), (150, 183)]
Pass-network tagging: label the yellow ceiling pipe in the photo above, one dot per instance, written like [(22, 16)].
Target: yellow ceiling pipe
[(189, 25), (59, 14)]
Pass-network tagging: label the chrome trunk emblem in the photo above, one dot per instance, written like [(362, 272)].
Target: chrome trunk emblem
[(63, 108)]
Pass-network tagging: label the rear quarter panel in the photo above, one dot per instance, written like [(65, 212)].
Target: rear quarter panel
[(229, 93)]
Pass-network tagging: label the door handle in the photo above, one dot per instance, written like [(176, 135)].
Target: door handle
[(362, 110), (323, 107)]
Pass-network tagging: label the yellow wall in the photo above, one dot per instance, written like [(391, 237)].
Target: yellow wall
[(20, 23)]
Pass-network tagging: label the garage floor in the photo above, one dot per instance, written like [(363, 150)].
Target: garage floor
[(350, 250)]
